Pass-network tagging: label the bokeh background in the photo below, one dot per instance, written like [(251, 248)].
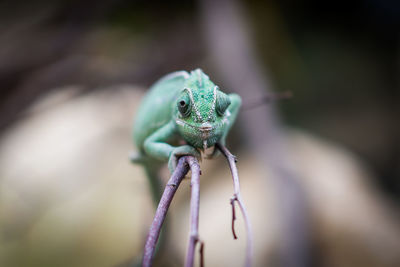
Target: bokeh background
[(320, 172)]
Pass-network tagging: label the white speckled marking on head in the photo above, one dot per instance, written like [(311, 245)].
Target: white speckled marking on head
[(213, 103), (199, 117)]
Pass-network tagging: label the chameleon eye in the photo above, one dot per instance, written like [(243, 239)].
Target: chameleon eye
[(184, 106), (223, 102)]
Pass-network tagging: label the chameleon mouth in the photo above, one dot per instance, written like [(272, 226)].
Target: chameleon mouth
[(201, 135), (204, 127)]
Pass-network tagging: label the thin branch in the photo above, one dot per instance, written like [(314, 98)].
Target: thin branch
[(181, 169), (201, 253), (194, 211), (184, 164), (233, 217), (237, 197)]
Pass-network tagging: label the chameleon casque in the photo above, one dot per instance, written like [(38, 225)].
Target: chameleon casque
[(182, 114)]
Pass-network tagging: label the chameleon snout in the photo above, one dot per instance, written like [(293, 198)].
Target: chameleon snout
[(206, 127)]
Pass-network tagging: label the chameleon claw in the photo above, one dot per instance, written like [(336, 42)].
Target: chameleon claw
[(180, 151)]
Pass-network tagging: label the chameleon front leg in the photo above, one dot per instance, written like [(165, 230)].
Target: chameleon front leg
[(156, 146)]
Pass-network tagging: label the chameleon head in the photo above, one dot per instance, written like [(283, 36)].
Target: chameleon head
[(201, 111)]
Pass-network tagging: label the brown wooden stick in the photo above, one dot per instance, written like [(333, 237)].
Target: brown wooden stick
[(184, 164), (233, 217), (237, 197), (201, 253), (181, 169)]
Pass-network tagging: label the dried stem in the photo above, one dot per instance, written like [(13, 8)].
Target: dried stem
[(237, 197), (233, 217), (194, 211), (181, 170), (201, 253)]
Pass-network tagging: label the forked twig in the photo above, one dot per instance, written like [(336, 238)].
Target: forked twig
[(184, 164), (237, 197), (181, 170)]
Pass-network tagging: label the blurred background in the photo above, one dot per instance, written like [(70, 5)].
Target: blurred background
[(320, 172)]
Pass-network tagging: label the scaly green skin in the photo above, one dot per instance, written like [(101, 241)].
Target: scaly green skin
[(164, 130), (182, 114)]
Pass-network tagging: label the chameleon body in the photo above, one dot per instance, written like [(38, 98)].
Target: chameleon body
[(182, 114)]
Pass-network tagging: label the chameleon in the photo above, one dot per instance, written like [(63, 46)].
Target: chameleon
[(182, 114)]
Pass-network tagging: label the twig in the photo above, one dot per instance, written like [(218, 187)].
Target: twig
[(194, 211), (237, 197), (181, 169), (233, 217), (201, 253)]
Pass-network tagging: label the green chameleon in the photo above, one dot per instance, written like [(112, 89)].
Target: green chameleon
[(182, 114)]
